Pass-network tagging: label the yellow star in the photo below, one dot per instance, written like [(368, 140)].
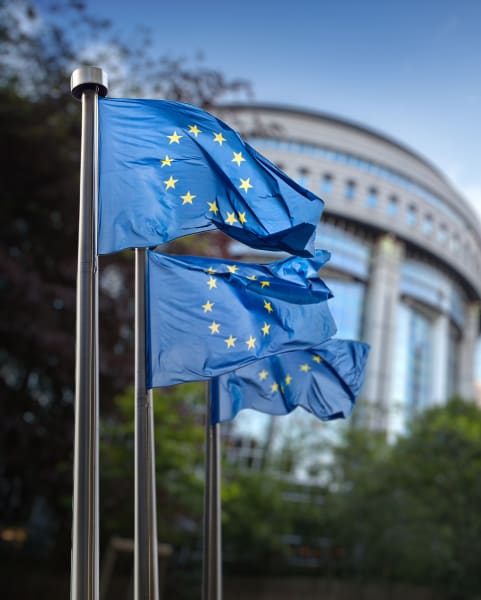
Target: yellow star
[(174, 138), (231, 218), (263, 374), (242, 217), (214, 327), (305, 368), (316, 358), (194, 129), (170, 183), (251, 342), (218, 137), (212, 283), (275, 387), (238, 158), (167, 162), (230, 341), (266, 329), (245, 184), (213, 207), (288, 379), (232, 268), (208, 306), (187, 198), (265, 284), (210, 270), (252, 277), (268, 306)]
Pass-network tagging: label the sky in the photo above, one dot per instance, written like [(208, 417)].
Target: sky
[(410, 69)]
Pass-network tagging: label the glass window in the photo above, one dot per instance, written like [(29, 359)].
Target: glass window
[(442, 234), (392, 206), (326, 184), (371, 198), (428, 225), (419, 363), (350, 190), (303, 177), (411, 215), (349, 253), (454, 348), (347, 307)]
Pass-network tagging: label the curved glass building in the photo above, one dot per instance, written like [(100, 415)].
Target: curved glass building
[(406, 253)]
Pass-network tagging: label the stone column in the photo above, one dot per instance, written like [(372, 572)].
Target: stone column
[(468, 351), (380, 326), (439, 359)]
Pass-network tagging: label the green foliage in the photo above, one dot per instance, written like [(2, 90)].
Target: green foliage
[(40, 159), (179, 446), (254, 518), (410, 512)]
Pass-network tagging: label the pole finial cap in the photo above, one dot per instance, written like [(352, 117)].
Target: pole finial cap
[(88, 78)]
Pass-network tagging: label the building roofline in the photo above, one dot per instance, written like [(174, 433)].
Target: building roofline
[(338, 120)]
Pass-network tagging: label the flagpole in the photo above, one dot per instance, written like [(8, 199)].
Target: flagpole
[(212, 542), (146, 578), (86, 84)]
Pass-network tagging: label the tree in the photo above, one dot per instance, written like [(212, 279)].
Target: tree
[(410, 512), (40, 125)]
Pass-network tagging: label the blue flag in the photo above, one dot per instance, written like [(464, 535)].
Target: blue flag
[(168, 169), (208, 316), (324, 381)]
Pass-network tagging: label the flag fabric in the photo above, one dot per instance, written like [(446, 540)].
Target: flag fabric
[(324, 380), (168, 169), (208, 316)]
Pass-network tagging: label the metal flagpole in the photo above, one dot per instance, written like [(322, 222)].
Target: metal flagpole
[(212, 542), (145, 546), (86, 84)]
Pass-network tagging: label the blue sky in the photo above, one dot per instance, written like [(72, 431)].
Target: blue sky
[(411, 69)]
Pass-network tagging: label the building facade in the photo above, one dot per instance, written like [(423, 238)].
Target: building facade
[(406, 254)]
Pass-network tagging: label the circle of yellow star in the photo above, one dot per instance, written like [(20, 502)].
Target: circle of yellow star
[(266, 329), (194, 129), (252, 277), (242, 217), (214, 327), (208, 306), (232, 268), (275, 387), (213, 207), (265, 284), (170, 183), (238, 158), (212, 283), (245, 184), (263, 374), (268, 306), (231, 218), (210, 270), (174, 138), (317, 358), (305, 368), (251, 342), (230, 341), (219, 138), (167, 161), (187, 198), (288, 379)]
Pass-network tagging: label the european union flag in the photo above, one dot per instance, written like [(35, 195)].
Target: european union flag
[(168, 169), (324, 381), (208, 316)]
